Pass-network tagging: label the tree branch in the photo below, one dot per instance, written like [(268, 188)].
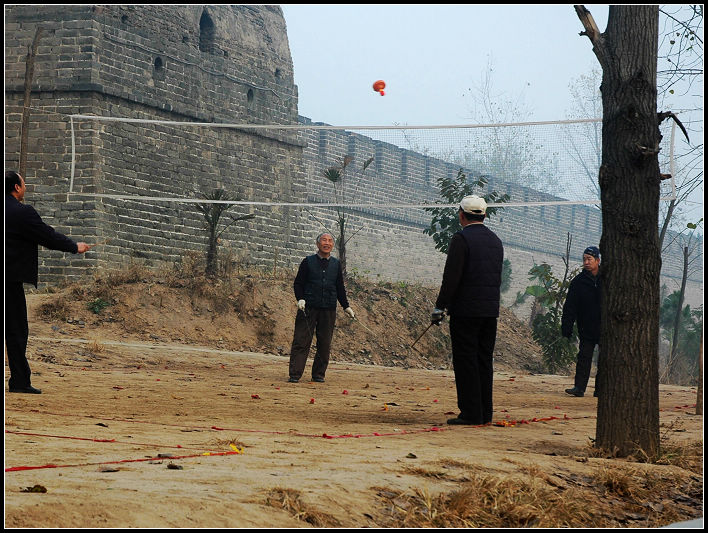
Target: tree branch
[(591, 31), (663, 116)]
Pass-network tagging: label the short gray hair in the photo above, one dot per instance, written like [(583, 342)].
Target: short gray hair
[(325, 233)]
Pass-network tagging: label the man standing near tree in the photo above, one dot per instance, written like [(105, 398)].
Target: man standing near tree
[(470, 292), (24, 231), (583, 304), (318, 285)]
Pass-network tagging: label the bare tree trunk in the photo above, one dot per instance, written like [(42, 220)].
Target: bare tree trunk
[(699, 395), (342, 245), (679, 310), (667, 220), (29, 74), (628, 405)]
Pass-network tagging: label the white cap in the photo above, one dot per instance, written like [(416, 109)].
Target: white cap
[(473, 205)]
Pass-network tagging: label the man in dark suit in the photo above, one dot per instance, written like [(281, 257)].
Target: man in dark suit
[(470, 291), (24, 231)]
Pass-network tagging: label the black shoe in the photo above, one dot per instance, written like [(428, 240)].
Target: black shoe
[(575, 391), (318, 380), (595, 395), (457, 421), (293, 380), (29, 389)]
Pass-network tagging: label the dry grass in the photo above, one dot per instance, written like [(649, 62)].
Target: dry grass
[(611, 496), (95, 347), (686, 455), (290, 501), (487, 501), (59, 309)]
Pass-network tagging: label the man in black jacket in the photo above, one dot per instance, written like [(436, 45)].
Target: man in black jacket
[(318, 285), (583, 305), (470, 292), (24, 231)]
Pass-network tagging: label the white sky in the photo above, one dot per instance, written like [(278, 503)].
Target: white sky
[(430, 56)]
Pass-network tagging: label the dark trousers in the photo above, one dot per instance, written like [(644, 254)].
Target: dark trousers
[(473, 342), (314, 320), (584, 365), (16, 333)]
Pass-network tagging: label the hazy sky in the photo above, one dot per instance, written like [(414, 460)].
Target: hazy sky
[(430, 56)]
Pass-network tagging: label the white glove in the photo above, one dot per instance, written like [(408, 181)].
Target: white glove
[(301, 305), (349, 311)]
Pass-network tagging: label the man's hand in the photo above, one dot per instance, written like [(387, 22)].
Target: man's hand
[(301, 305), (82, 247), (437, 316), (349, 311)]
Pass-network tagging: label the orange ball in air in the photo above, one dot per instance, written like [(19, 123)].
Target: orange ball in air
[(379, 86)]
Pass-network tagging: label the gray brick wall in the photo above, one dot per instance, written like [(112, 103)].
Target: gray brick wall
[(145, 62)]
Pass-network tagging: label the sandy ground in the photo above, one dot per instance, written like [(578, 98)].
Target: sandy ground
[(112, 412)]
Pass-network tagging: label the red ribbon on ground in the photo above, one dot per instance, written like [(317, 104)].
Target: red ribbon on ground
[(210, 454)]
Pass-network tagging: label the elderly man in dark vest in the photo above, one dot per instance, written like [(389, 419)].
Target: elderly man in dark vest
[(318, 286), (470, 292)]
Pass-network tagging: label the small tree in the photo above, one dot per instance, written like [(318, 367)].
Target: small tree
[(336, 175), (445, 223), (212, 213)]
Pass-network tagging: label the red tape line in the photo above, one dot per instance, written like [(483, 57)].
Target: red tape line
[(210, 454), (102, 440)]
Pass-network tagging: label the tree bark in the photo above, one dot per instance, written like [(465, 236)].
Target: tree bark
[(628, 404)]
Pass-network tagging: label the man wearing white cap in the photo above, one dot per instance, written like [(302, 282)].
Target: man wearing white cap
[(470, 292)]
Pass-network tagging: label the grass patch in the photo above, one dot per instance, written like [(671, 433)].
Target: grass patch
[(486, 501), (290, 500), (58, 309)]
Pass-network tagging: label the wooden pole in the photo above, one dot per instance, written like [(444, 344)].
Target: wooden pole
[(29, 74)]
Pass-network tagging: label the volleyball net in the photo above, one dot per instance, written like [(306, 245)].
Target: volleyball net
[(534, 163)]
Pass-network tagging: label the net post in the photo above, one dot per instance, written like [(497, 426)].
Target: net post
[(73, 155)]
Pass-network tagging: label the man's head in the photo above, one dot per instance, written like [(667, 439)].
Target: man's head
[(14, 184), (472, 209), (325, 244), (591, 259)]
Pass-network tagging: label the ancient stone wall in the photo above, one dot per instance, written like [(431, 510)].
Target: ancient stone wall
[(215, 64)]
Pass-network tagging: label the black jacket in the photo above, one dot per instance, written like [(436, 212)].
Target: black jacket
[(583, 304), (24, 231), (472, 275)]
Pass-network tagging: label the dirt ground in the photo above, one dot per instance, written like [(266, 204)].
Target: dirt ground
[(159, 411)]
